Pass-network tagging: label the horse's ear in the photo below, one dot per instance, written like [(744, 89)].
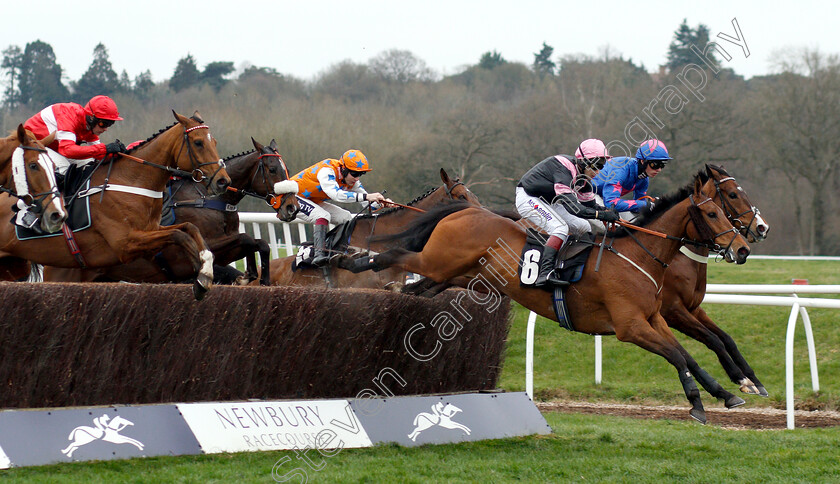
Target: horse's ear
[(21, 134), (698, 186), (257, 145), (197, 116), (273, 144), (444, 177), (181, 119)]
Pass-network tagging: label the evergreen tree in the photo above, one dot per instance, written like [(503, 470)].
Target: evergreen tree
[(100, 77), (543, 65), (125, 82), (215, 72), (39, 83), (12, 59), (490, 60), (680, 53), (143, 84), (186, 74)]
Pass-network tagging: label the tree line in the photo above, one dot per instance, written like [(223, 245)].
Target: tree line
[(488, 123)]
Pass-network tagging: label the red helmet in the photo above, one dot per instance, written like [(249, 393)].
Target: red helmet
[(103, 107)]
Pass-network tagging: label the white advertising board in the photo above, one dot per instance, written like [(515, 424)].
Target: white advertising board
[(274, 425)]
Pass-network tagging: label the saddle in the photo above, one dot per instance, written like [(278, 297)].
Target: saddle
[(570, 264), (570, 261)]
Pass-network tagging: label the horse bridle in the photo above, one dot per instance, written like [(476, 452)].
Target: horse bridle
[(730, 210), (714, 246), (449, 189), (35, 200), (196, 174)]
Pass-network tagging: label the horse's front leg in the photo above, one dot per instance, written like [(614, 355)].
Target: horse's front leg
[(236, 246), (750, 384), (706, 381), (186, 236), (638, 331)]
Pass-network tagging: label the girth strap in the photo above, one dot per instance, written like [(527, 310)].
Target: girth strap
[(75, 251)]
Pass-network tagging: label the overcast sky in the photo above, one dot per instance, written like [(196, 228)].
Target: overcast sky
[(303, 38)]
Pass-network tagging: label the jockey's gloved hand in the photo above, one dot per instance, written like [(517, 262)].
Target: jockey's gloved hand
[(115, 147), (608, 215)]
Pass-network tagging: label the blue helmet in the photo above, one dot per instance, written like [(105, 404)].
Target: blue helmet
[(653, 150)]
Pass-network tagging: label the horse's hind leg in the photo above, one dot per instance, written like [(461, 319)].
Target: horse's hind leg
[(751, 383), (426, 288)]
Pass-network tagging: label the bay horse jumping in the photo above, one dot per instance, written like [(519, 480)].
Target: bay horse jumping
[(388, 221), (259, 173), (685, 284), (621, 298), (28, 174), (125, 217)]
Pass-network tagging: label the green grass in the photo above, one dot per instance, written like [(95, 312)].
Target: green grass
[(582, 448), (564, 361)]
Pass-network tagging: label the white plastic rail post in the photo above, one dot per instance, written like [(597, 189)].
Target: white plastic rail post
[(529, 355), (597, 359), (789, 364)]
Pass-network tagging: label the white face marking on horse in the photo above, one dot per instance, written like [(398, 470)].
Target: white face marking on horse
[(47, 165)]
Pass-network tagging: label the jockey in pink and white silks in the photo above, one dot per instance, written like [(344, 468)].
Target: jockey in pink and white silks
[(557, 196)]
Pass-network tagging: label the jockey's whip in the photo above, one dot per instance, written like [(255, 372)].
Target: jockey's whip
[(640, 229), (405, 206)]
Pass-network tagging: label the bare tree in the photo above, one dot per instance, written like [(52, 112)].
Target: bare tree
[(798, 123)]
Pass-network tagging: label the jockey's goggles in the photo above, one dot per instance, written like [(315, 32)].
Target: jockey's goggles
[(356, 174), (656, 164), (105, 123), (596, 163)]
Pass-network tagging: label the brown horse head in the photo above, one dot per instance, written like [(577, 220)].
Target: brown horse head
[(732, 198), (271, 177), (31, 174), (709, 224), (457, 190), (197, 154)]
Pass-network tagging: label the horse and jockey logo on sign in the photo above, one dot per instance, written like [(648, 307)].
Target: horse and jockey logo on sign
[(441, 416), (105, 429)]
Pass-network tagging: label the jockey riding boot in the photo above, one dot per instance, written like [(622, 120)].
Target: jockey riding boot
[(547, 275), (25, 218), (319, 243)]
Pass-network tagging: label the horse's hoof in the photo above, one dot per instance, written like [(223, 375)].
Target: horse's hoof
[(699, 415), (734, 401), (199, 291), (242, 281), (750, 390), (762, 392)]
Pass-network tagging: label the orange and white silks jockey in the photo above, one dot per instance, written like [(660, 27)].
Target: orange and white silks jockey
[(337, 181)]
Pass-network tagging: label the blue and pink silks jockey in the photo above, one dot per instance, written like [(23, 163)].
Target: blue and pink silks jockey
[(556, 195), (623, 174)]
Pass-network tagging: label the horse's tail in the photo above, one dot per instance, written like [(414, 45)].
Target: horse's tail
[(418, 232)]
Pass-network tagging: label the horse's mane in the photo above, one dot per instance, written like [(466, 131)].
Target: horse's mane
[(150, 138), (389, 211), (239, 154), (668, 201), (161, 131)]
